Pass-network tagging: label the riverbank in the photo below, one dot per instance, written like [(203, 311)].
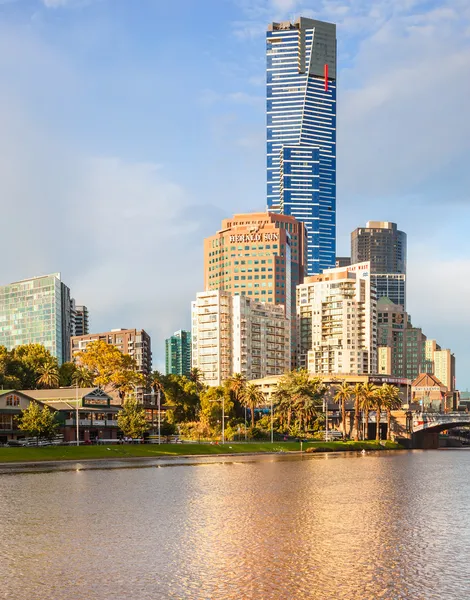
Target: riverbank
[(60, 453)]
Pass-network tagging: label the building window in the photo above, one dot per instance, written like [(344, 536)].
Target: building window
[(12, 400)]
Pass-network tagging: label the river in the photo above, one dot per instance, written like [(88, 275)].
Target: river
[(327, 527)]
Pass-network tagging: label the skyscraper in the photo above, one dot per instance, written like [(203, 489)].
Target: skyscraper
[(80, 321), (37, 311), (384, 246), (178, 353), (261, 255), (301, 131)]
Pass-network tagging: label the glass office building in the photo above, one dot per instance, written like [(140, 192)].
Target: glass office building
[(178, 353), (37, 311), (301, 131), (383, 245)]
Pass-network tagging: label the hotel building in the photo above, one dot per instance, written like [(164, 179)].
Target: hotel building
[(259, 255), (301, 131), (337, 316), (238, 334), (37, 311)]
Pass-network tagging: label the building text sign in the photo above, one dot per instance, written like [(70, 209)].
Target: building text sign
[(254, 237)]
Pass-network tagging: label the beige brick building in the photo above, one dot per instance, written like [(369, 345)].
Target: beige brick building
[(259, 255)]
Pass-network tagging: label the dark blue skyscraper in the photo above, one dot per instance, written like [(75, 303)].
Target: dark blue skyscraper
[(301, 131)]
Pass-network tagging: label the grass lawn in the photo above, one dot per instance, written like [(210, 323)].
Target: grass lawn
[(154, 450)]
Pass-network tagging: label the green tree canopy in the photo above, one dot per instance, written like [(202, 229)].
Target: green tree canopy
[(48, 375), (38, 421), (132, 420)]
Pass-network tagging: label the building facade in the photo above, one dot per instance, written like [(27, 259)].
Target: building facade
[(301, 131), (135, 342), (384, 246), (37, 311), (259, 255), (97, 415), (337, 323), (178, 353), (80, 319), (238, 334), (444, 368)]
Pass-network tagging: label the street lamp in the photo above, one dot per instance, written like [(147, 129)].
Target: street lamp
[(272, 428), (325, 410), (77, 426)]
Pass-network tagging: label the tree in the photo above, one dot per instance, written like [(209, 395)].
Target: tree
[(38, 422), (378, 400), (212, 401), (357, 401), (183, 398), (132, 420), (66, 374), (27, 361), (126, 379), (102, 360), (367, 402), (195, 375), (158, 383), (252, 398), (110, 367), (82, 377), (236, 384), (48, 375), (343, 394), (300, 395), (391, 401)]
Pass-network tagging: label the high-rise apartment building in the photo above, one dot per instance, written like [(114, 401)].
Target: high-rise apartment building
[(404, 350), (178, 353), (135, 342), (238, 334), (301, 131), (444, 368), (384, 246), (338, 322), (37, 311), (401, 351), (80, 319)]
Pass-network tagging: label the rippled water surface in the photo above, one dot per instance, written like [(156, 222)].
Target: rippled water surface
[(389, 526)]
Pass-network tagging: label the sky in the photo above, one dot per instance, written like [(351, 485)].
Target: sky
[(128, 130)]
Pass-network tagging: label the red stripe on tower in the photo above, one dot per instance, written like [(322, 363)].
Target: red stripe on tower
[(326, 77)]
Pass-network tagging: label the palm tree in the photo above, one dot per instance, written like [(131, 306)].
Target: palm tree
[(367, 403), (158, 383), (343, 395), (195, 375), (391, 401), (378, 402), (253, 397), (357, 401), (82, 377), (237, 384), (48, 375), (299, 394)]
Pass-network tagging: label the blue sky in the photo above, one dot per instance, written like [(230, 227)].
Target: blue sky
[(128, 130)]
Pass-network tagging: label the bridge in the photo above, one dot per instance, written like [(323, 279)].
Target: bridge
[(437, 422), (422, 429)]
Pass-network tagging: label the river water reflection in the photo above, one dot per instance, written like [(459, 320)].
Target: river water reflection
[(391, 526)]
